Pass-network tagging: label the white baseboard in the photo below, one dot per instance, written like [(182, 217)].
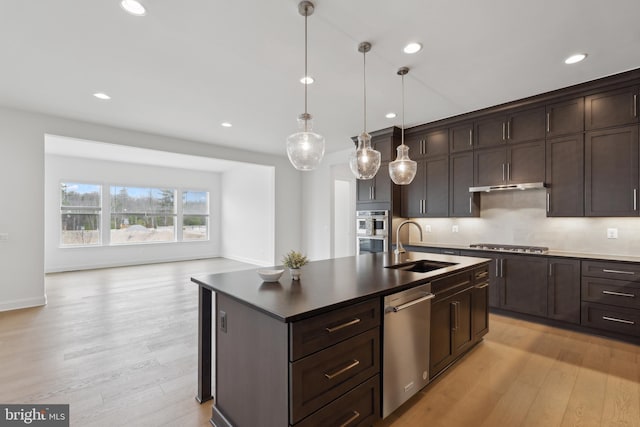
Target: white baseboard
[(257, 262), (23, 303)]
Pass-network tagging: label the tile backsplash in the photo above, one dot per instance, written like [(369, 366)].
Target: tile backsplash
[(519, 218)]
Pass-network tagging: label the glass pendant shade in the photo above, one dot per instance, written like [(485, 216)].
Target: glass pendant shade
[(402, 170), (364, 160), (305, 148)]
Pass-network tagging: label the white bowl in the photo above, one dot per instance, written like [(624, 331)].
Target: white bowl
[(270, 275)]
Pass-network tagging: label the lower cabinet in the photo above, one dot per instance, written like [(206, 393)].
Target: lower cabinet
[(459, 317), (563, 290), (523, 284)]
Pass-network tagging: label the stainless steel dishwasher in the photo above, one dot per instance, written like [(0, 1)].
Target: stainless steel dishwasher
[(407, 316)]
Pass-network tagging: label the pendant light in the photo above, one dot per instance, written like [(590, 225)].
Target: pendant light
[(402, 170), (364, 160), (305, 148)]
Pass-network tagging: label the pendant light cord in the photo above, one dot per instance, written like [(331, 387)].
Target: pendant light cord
[(402, 141), (306, 75), (364, 86)]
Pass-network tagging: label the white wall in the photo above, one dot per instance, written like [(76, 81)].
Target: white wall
[(22, 194), (248, 207), (318, 208), (74, 169), (519, 217)]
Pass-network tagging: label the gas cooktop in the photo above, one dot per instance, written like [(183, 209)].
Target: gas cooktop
[(510, 248)]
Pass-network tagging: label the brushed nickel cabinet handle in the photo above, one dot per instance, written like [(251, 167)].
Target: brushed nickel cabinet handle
[(509, 129), (604, 270), (470, 203), (548, 202), (548, 122), (342, 326), (635, 199), (353, 417), (470, 137), (497, 268), (619, 294), (454, 314), (482, 275), (373, 192), (550, 269), (509, 171), (503, 172), (482, 286), (614, 319), (410, 303), (504, 126), (351, 365)]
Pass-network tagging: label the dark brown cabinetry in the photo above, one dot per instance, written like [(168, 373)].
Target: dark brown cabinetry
[(375, 190), (461, 137), (480, 304), (563, 290), (427, 143), (565, 117), (523, 284), (461, 202), (612, 108), (520, 126), (565, 176), (428, 194), (611, 172), (451, 329), (610, 296), (513, 164)]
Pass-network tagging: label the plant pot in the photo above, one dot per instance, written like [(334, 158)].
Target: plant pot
[(295, 273)]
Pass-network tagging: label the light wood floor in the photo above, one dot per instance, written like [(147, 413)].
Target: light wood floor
[(119, 345)]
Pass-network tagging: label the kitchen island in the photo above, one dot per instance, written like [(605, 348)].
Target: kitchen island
[(279, 344)]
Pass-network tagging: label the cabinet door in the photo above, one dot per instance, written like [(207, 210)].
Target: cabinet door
[(563, 292), (527, 125), (413, 195), (565, 176), (565, 117), (480, 310), (437, 187), (382, 184), (611, 172), (489, 167), (461, 328), (612, 108), (461, 202), (430, 143), (364, 192), (416, 146), (441, 345), (525, 162), (524, 287), (461, 138), (491, 131), (495, 279)]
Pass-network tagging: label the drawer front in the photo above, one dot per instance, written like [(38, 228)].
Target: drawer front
[(324, 376), (313, 334), (359, 407), (442, 288), (611, 292), (610, 318), (612, 270)]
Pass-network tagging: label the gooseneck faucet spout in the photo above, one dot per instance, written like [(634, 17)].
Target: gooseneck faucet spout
[(399, 248)]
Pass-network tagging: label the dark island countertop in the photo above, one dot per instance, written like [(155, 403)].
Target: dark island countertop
[(329, 284)]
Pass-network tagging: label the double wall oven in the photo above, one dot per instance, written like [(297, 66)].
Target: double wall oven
[(372, 231)]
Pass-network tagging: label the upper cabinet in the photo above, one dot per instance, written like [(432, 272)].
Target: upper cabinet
[(565, 175), (514, 164), (565, 117), (427, 143), (613, 108), (519, 126), (461, 137)]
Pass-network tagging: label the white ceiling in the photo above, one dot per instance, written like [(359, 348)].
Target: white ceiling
[(190, 65)]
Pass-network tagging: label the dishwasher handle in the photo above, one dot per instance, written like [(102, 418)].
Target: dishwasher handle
[(396, 309)]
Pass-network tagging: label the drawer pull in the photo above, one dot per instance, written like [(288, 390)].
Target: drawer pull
[(353, 417), (604, 270), (618, 294), (344, 325), (482, 275), (613, 319), (351, 365), (482, 286)]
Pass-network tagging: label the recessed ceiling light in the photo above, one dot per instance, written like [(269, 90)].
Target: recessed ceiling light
[(391, 115), (573, 59), (306, 80), (226, 124), (101, 95), (134, 7), (412, 48)]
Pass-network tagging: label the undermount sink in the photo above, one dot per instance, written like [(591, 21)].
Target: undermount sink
[(421, 266)]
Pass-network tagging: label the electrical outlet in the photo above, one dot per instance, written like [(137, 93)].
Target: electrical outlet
[(612, 233), (223, 321), (427, 228), (454, 229)]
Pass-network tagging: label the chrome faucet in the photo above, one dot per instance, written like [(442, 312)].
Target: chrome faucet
[(399, 249)]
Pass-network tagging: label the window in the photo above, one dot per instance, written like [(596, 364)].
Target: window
[(141, 215), (195, 215), (80, 208)]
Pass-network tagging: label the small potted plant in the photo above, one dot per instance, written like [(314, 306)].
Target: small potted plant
[(293, 261)]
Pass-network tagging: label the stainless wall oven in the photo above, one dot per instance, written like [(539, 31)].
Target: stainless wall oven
[(372, 229)]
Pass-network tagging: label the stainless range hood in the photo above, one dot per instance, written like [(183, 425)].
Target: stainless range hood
[(490, 188)]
